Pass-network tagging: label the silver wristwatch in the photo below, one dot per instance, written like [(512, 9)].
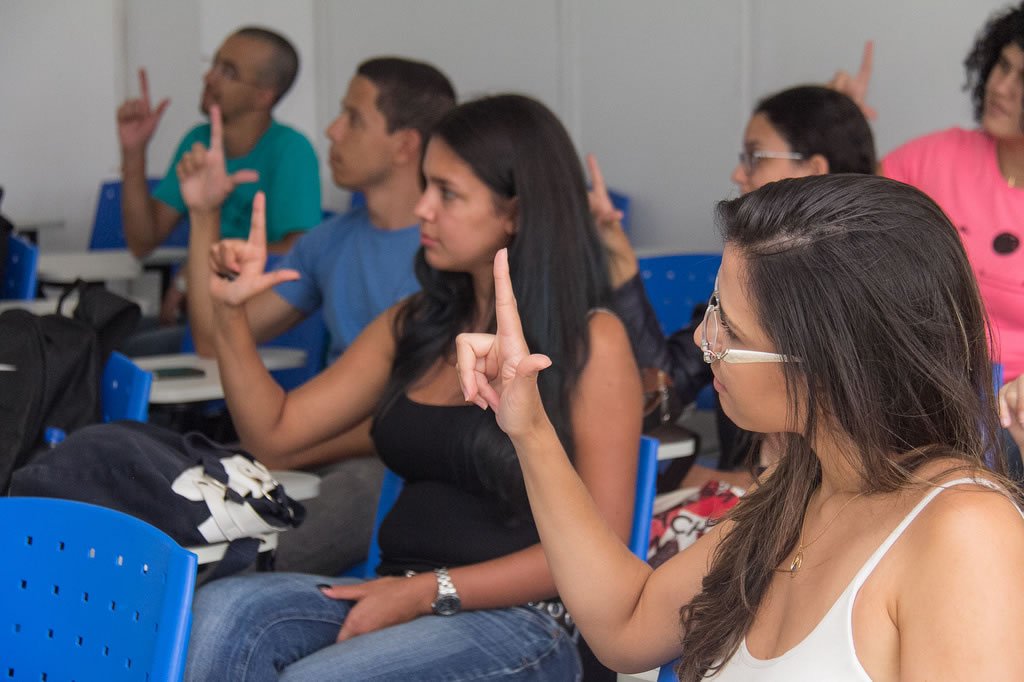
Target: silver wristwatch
[(447, 602)]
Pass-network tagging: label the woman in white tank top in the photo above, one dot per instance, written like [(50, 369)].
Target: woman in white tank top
[(879, 546)]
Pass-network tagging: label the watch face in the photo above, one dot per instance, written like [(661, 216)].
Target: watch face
[(447, 605)]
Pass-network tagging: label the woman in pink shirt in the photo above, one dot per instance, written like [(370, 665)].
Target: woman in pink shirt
[(977, 175)]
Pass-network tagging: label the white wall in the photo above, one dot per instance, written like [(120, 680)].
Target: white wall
[(660, 89), (56, 130)]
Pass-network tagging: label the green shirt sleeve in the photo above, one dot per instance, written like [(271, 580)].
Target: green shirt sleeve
[(293, 190), (168, 191)]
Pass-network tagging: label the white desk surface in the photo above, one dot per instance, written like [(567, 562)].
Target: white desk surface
[(207, 387), (674, 441), (39, 306), (92, 266), (300, 485), (45, 306), (167, 255)]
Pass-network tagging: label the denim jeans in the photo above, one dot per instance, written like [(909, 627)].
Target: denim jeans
[(278, 626)]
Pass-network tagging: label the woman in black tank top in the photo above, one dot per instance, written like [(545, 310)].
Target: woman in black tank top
[(501, 173)]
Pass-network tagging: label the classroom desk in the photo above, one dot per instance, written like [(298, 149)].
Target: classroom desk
[(91, 266), (674, 442), (31, 230), (175, 391), (37, 306), (46, 306), (166, 255)]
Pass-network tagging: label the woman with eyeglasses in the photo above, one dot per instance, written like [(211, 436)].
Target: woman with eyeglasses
[(801, 131), (879, 546)]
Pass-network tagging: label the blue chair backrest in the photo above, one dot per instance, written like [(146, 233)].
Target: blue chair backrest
[(643, 504), (640, 534), (675, 284), (108, 227), (667, 672), (356, 200), (20, 270), (90, 593), (124, 393), (624, 203)]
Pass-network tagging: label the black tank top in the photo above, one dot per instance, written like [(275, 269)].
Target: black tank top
[(443, 516)]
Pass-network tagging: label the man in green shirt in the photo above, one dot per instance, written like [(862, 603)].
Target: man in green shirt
[(250, 73)]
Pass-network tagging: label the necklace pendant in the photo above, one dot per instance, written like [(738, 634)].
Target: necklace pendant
[(798, 561)]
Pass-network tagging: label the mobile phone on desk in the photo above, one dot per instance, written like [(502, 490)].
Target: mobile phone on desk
[(178, 372)]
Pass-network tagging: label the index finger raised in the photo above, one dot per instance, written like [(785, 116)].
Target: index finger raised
[(506, 311), (596, 177), (258, 225), (216, 129), (144, 86), (867, 62)]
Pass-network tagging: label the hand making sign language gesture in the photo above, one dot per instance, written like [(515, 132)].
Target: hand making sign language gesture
[(856, 86), (622, 262), (237, 266), (497, 370), (137, 119), (202, 172)]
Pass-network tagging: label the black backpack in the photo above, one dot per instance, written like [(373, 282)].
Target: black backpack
[(195, 490), (51, 367), (6, 229)]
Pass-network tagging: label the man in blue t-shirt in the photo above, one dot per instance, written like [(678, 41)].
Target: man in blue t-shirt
[(353, 266)]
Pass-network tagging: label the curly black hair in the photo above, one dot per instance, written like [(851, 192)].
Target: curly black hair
[(1003, 28)]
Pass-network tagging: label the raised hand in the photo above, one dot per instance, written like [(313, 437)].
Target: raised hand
[(497, 370), (137, 119), (622, 263), (237, 266), (202, 172), (1011, 409), (856, 87), (601, 207)]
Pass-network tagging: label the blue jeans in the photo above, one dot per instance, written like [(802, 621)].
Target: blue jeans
[(278, 626)]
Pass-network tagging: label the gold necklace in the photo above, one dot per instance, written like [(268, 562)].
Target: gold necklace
[(798, 558)]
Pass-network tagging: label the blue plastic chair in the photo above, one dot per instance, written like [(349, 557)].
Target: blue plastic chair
[(675, 284), (20, 270), (124, 391), (667, 672), (643, 505), (108, 226), (90, 593), (624, 203), (640, 534)]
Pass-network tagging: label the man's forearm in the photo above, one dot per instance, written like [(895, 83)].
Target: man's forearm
[(204, 233), (138, 218)]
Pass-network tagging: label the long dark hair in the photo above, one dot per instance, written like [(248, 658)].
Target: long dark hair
[(866, 281), (520, 150), (818, 120), (1003, 28)]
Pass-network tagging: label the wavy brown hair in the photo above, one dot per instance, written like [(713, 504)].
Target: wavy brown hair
[(866, 281)]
